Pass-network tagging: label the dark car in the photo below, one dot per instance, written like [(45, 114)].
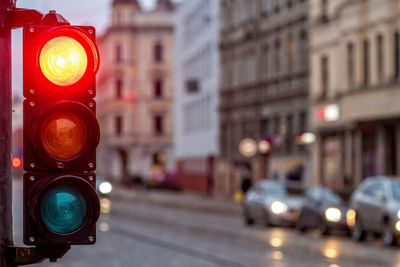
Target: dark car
[(323, 210), (377, 205), (269, 202)]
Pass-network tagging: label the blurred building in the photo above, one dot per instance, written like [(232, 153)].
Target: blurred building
[(355, 90), (135, 90), (264, 86), (197, 84)]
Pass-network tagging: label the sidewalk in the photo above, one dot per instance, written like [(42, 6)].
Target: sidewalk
[(178, 200)]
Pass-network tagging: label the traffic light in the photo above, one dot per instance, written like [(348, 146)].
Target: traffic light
[(61, 133)]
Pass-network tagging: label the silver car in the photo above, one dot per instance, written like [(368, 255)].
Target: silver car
[(269, 202), (377, 207)]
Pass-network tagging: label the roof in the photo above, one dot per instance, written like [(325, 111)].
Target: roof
[(164, 5), (134, 2)]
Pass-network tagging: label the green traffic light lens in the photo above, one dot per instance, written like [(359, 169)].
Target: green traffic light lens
[(63, 209)]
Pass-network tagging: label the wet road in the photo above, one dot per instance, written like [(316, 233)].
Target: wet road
[(145, 234)]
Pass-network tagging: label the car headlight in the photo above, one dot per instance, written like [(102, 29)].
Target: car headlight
[(333, 214), (105, 188), (397, 226), (278, 207), (398, 214)]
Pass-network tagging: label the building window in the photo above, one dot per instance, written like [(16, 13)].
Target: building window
[(324, 76), (289, 133), (303, 51), (396, 55), (158, 88), (118, 125), (264, 127), (276, 5), (265, 6), (380, 58), (265, 63), (324, 10), (350, 65), (290, 52), (118, 53), (158, 52), (303, 122), (366, 62), (277, 57), (277, 126), (158, 125), (118, 89)]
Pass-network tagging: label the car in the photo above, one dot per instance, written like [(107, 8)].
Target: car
[(268, 202), (323, 210), (376, 203)]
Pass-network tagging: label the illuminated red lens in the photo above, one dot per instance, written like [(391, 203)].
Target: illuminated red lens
[(63, 135), (63, 61), (16, 162)]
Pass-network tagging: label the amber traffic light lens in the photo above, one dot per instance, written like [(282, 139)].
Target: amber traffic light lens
[(63, 136), (63, 61)]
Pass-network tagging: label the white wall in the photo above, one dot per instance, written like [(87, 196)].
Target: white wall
[(197, 57)]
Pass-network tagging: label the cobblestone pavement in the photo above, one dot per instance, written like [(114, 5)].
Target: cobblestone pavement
[(148, 233)]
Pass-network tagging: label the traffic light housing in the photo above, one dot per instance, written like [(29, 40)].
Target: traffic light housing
[(61, 133)]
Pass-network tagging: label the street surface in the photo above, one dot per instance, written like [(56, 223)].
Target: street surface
[(149, 234)]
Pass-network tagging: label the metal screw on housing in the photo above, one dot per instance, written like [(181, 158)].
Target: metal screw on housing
[(32, 165), (32, 239), (32, 178), (91, 165), (91, 238), (91, 178), (32, 104)]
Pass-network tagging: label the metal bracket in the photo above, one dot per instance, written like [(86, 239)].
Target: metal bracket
[(18, 256), (20, 17)]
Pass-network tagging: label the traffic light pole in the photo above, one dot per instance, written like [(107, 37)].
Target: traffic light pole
[(6, 235)]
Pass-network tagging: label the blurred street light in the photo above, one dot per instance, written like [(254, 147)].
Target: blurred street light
[(248, 147)]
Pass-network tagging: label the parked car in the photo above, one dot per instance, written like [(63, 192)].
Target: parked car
[(323, 210), (269, 202), (377, 206)]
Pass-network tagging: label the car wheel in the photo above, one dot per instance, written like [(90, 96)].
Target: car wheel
[(300, 226), (389, 239), (247, 219), (358, 233), (323, 229)]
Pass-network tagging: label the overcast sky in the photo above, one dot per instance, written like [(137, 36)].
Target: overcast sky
[(77, 12)]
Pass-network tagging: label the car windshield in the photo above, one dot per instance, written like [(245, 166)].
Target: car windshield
[(331, 197), (275, 189), (396, 190)]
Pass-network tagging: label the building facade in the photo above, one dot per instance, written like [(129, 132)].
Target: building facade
[(196, 99), (264, 86), (135, 91), (355, 90)]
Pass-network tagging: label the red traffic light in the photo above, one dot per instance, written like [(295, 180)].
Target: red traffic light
[(60, 61), (16, 162)]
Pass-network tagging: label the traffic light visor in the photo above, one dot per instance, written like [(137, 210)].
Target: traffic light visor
[(63, 135), (63, 60), (63, 209)]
